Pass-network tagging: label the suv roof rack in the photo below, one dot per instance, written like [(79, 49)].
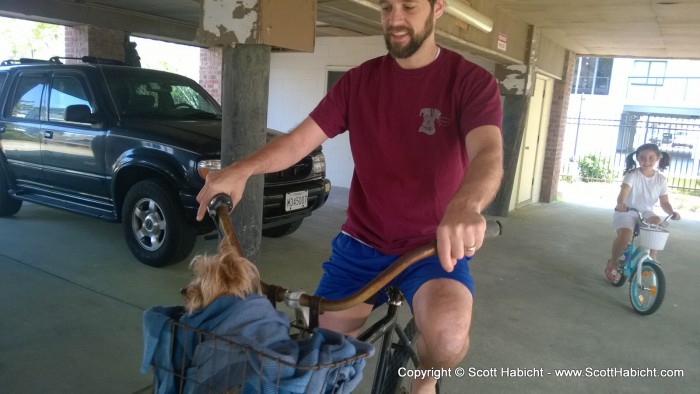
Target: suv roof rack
[(92, 60), (57, 60), (25, 60)]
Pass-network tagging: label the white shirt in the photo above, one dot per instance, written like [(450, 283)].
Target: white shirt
[(645, 191)]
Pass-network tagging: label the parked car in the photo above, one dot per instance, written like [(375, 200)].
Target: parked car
[(129, 145)]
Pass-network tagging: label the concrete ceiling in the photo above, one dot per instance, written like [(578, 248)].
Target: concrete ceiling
[(626, 28)]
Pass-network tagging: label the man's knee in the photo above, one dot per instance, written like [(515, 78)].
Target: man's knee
[(443, 311), (446, 346)]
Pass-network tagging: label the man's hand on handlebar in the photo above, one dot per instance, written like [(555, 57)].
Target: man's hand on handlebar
[(230, 181), (459, 235)]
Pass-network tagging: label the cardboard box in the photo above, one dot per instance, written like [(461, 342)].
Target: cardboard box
[(287, 24)]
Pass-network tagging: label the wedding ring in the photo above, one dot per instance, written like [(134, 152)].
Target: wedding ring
[(470, 249)]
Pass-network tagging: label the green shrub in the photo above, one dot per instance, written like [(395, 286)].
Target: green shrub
[(594, 169)]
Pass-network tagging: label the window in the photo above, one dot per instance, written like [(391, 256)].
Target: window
[(648, 72), (592, 75), (333, 74), (65, 91), (27, 100)]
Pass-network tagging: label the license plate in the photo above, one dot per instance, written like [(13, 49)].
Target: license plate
[(296, 200)]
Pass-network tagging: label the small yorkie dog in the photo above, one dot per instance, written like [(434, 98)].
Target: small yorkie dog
[(225, 273)]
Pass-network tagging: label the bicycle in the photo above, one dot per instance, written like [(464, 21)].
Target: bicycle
[(397, 343), (647, 284)]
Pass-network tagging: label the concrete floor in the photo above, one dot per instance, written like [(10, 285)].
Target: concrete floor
[(72, 297)]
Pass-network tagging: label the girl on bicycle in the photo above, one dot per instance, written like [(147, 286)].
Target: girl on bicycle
[(641, 188)]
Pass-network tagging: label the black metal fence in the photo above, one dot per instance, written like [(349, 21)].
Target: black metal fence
[(595, 149)]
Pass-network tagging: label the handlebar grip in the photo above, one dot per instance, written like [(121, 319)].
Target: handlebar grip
[(493, 229), (219, 208), (221, 199)]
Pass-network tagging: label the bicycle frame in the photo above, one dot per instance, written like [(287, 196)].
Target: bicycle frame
[(384, 329), (647, 284), (637, 256)]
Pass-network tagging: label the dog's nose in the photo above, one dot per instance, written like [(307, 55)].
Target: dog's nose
[(183, 290)]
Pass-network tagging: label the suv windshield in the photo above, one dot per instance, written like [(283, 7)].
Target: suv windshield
[(161, 95)]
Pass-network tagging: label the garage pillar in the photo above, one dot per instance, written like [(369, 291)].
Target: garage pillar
[(210, 61), (516, 83), (247, 30), (246, 81), (556, 132), (89, 40)]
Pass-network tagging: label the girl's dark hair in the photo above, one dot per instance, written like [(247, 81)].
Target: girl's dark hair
[(631, 163)]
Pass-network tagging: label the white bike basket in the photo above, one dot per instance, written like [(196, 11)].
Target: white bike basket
[(652, 236)]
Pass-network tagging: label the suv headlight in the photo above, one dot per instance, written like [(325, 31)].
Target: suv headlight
[(205, 166), (319, 166)]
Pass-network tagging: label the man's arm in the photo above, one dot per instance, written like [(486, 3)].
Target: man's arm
[(463, 226), (276, 155)]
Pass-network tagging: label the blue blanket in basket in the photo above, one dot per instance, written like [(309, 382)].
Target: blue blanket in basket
[(209, 364)]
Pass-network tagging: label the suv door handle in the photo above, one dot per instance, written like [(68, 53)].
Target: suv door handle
[(48, 134)]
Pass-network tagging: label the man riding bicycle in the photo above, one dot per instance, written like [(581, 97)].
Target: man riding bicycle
[(425, 136)]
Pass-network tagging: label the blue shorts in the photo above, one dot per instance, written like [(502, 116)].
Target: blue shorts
[(353, 264)]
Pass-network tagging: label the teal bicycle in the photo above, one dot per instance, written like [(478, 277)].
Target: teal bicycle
[(647, 282)]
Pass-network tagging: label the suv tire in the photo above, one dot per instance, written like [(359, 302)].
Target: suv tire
[(8, 205), (154, 224), (281, 231)]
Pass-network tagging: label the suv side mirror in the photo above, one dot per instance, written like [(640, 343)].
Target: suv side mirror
[(79, 113)]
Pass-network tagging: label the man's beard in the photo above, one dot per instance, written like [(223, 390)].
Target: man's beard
[(414, 43)]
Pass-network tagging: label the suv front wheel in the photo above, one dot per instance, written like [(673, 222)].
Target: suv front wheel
[(155, 228)]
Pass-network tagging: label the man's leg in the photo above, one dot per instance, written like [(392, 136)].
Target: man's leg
[(442, 309), (347, 322)]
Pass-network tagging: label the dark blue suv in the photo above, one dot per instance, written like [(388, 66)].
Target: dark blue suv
[(128, 145)]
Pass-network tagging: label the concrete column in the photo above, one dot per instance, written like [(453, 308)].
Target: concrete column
[(517, 85), (246, 81)]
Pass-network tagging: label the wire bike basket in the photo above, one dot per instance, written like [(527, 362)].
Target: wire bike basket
[(652, 236), (196, 361)]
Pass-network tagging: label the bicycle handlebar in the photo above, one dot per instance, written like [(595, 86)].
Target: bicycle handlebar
[(219, 209), (643, 219)]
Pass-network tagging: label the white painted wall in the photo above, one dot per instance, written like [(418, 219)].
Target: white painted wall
[(298, 83)]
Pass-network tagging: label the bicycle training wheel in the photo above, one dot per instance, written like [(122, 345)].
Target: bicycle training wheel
[(647, 297)]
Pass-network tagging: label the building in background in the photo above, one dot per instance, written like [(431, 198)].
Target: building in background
[(619, 104)]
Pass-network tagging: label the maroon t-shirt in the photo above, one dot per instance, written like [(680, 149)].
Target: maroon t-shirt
[(407, 131)]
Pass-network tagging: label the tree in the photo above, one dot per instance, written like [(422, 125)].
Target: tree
[(22, 38)]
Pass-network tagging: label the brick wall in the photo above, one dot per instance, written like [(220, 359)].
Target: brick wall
[(557, 128), (94, 41), (210, 63)]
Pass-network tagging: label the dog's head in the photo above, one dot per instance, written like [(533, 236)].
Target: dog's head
[(224, 273)]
